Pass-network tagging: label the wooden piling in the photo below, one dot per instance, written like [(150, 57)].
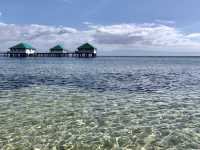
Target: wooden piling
[(69, 54)]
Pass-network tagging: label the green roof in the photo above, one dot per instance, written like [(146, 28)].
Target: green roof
[(57, 47), (22, 46), (86, 46)]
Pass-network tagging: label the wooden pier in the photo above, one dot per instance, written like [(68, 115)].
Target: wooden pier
[(25, 50), (69, 54)]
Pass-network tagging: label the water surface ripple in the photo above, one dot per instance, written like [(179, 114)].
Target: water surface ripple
[(103, 103)]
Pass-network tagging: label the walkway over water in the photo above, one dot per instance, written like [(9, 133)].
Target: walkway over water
[(69, 54)]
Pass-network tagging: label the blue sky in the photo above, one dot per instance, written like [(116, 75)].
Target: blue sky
[(72, 13), (136, 27)]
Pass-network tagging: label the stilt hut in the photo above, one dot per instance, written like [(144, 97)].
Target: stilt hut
[(86, 50), (21, 50), (57, 49)]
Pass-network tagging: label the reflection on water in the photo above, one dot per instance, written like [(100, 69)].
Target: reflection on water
[(103, 103)]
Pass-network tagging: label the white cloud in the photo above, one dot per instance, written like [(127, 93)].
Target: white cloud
[(168, 22), (87, 23), (194, 35), (39, 35), (133, 37), (145, 35)]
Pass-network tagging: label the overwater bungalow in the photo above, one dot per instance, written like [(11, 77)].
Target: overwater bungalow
[(86, 50), (57, 49), (25, 50), (22, 50)]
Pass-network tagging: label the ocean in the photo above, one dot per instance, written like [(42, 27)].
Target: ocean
[(119, 103)]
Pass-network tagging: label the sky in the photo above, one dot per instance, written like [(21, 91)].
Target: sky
[(115, 27)]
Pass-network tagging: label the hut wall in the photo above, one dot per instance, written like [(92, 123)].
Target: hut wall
[(26, 51), (56, 51)]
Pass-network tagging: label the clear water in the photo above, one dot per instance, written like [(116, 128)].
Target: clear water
[(139, 103)]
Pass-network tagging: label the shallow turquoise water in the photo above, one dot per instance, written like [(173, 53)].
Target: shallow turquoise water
[(102, 103)]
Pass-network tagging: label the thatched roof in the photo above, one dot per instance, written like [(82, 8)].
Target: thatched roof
[(57, 47), (86, 46), (22, 46)]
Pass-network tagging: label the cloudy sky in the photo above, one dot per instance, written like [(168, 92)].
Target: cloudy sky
[(115, 27)]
